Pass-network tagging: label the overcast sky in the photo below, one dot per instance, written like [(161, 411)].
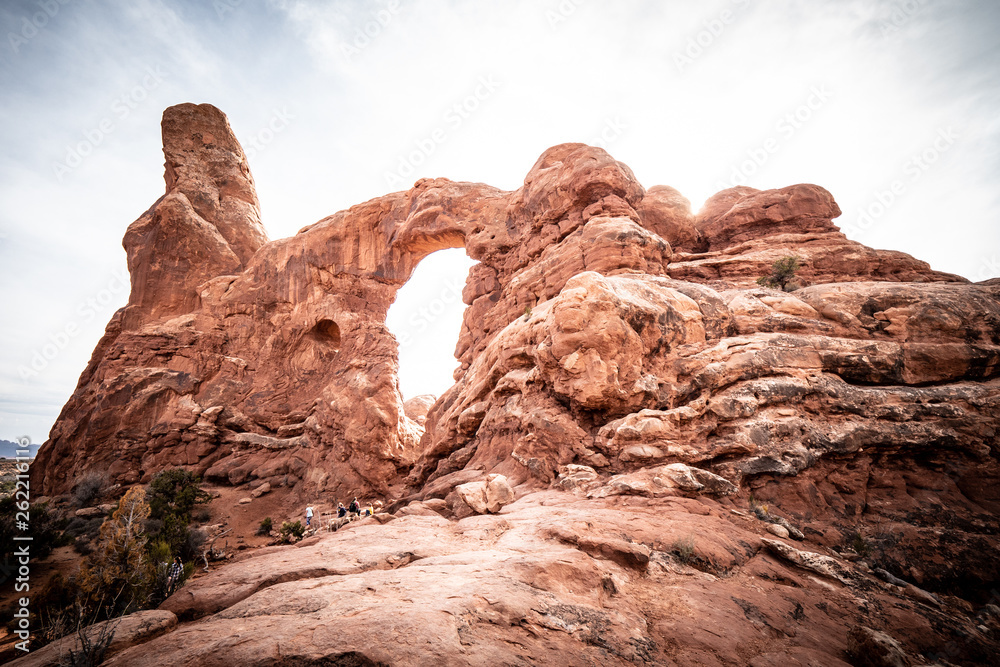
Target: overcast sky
[(891, 105)]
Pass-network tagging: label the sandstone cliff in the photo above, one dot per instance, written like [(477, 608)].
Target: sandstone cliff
[(660, 416)]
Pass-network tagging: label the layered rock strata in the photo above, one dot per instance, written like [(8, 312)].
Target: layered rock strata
[(617, 356)]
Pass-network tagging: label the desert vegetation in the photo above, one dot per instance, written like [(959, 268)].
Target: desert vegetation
[(126, 560)]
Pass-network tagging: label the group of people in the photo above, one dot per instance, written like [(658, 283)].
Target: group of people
[(353, 510)]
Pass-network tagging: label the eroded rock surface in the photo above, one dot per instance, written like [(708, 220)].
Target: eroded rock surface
[(552, 579), (656, 417)]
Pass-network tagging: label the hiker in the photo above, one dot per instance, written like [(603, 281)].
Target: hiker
[(370, 511), (354, 508), (309, 515), (175, 574), (341, 511)]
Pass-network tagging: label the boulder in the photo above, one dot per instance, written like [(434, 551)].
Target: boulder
[(777, 530), (486, 496), (498, 493), (89, 512)]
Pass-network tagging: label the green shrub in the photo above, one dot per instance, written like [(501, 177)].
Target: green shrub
[(83, 546), (782, 273), (159, 552), (289, 529), (45, 529), (89, 486), (860, 545), (265, 526), (683, 549), (161, 558), (173, 495), (175, 491)]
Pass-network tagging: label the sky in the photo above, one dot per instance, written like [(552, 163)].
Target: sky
[(892, 105)]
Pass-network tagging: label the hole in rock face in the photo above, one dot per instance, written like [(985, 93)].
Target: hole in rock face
[(327, 332), (426, 319)]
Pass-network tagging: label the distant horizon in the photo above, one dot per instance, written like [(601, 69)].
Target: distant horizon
[(11, 447)]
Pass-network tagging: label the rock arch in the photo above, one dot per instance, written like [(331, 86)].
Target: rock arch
[(241, 358), (426, 319)]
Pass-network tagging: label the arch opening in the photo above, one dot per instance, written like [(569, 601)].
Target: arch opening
[(426, 319)]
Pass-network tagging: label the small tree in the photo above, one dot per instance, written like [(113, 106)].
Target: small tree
[(118, 575), (175, 491), (782, 273), (172, 495)]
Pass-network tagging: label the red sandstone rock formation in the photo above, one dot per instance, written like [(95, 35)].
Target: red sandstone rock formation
[(416, 408), (620, 367), (558, 579)]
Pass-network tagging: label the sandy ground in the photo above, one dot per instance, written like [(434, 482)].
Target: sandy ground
[(244, 519)]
